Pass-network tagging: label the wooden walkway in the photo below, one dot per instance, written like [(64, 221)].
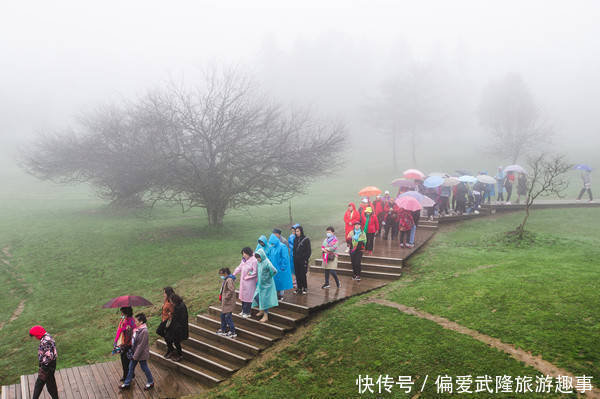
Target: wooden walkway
[(101, 380)]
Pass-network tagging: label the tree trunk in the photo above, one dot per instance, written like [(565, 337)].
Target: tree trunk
[(215, 216), (521, 228), (290, 212)]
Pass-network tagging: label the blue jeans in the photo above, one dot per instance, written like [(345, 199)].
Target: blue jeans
[(413, 230), (246, 307), (227, 323), (144, 366)]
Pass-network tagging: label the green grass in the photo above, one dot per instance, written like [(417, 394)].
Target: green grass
[(355, 339), (541, 297)]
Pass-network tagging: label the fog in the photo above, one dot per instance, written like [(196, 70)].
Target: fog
[(60, 58)]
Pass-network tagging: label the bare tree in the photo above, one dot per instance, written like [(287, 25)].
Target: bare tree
[(546, 178), (507, 109), (235, 148), (217, 146), (408, 105)]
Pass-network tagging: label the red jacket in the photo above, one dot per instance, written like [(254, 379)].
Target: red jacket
[(378, 206), (350, 217), (373, 226)]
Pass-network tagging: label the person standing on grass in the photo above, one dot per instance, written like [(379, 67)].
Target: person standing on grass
[(122, 342), (521, 186), (586, 177), (302, 252), (266, 293), (351, 216), (370, 226), (279, 257), (358, 241), (405, 225), (247, 272), (329, 255), (227, 298), (165, 314), (47, 357), (140, 353), (178, 331)]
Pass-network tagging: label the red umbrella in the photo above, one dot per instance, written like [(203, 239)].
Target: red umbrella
[(127, 300), (369, 191)]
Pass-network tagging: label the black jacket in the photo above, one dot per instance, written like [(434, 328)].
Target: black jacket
[(178, 330), (302, 249)]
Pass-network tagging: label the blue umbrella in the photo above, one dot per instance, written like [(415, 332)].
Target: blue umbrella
[(468, 179), (433, 181), (583, 167)]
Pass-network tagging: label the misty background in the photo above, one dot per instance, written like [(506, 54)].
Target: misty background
[(59, 59)]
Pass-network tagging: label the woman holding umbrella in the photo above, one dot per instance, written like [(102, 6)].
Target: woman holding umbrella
[(122, 341)]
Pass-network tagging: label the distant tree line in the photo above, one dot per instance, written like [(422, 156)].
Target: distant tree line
[(219, 145)]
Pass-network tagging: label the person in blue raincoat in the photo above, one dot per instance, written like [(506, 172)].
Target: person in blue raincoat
[(277, 253), (266, 293), (262, 243)]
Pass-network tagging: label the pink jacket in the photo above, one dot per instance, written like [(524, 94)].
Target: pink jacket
[(248, 275)]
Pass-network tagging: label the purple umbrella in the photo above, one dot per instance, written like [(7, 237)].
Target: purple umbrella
[(424, 200), (404, 183)]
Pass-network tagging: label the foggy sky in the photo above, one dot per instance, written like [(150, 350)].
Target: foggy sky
[(58, 58)]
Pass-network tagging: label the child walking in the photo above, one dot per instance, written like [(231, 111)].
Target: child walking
[(405, 225), (329, 255), (227, 298)]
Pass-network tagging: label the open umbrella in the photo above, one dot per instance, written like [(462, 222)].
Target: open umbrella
[(514, 168), (486, 179), (451, 181), (413, 174), (127, 300), (409, 203), (468, 179), (404, 183), (582, 167), (424, 200), (433, 181), (369, 191)]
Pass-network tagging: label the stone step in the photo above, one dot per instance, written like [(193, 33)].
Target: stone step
[(372, 259), (290, 306), (363, 273), (186, 367)]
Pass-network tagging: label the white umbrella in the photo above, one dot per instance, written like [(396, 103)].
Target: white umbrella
[(486, 179), (514, 168), (451, 181)]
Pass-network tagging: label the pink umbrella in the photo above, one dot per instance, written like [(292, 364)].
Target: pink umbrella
[(414, 174), (408, 203)]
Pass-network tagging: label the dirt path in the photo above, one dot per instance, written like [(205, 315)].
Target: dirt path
[(9, 268), (536, 362)]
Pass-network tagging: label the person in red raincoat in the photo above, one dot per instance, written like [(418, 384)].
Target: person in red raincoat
[(364, 204), (405, 224), (378, 206), (370, 226), (351, 216)]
